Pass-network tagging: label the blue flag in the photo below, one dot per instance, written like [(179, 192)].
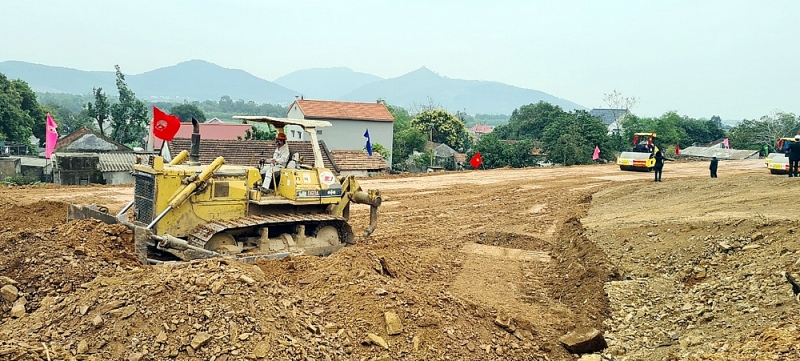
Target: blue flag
[(369, 144)]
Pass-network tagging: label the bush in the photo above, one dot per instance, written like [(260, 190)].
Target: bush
[(20, 180)]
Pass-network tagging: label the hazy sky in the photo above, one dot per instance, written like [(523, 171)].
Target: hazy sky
[(733, 58)]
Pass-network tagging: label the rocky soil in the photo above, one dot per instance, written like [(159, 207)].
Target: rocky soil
[(476, 265)]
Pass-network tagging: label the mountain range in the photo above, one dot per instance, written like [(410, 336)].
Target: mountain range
[(200, 80)]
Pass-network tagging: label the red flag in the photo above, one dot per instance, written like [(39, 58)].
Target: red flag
[(165, 126), (476, 160), (677, 149)]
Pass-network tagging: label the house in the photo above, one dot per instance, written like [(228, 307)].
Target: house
[(480, 129), (350, 121), (250, 152), (612, 118), (359, 163), (444, 156), (86, 156)]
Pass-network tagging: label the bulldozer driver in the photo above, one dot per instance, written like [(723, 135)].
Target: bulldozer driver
[(274, 165)]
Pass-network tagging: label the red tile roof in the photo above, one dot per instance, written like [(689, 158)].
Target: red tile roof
[(358, 160), (326, 109), (481, 129), (63, 143), (248, 152), (220, 131)]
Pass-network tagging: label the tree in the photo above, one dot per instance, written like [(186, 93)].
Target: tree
[(69, 121), (20, 113), (571, 139), (496, 153), (754, 134), (615, 100), (188, 111), (380, 149), (36, 112), (129, 117), (100, 111), (441, 127), (259, 132), (529, 121), (406, 139)]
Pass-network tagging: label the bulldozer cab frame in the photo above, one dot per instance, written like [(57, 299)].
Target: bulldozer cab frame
[(309, 126)]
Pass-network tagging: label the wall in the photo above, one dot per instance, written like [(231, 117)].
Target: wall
[(35, 172), (76, 170), (9, 167), (118, 178)]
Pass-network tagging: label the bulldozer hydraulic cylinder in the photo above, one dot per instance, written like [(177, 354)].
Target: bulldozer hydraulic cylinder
[(179, 158), (362, 197), (202, 177), (167, 241)]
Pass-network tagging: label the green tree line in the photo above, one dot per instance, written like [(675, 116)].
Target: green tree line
[(532, 133)]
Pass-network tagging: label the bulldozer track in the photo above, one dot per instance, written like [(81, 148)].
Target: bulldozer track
[(204, 232)]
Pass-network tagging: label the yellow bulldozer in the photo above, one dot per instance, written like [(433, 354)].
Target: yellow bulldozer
[(183, 210)]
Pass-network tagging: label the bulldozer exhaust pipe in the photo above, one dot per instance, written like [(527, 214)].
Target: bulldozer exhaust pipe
[(194, 156)]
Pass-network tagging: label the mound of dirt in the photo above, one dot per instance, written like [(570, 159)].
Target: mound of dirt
[(57, 260), (14, 216), (464, 266)]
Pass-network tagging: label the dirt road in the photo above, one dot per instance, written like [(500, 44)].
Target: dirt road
[(483, 265)]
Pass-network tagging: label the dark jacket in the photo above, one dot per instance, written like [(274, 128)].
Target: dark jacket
[(660, 159), (713, 165), (794, 151)]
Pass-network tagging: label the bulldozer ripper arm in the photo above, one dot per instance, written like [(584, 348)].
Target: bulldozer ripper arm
[(351, 192)]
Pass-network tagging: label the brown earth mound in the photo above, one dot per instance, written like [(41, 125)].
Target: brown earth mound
[(462, 267)]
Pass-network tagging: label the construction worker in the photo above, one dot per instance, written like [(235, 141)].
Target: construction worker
[(278, 161), (659, 166), (794, 156), (713, 167)]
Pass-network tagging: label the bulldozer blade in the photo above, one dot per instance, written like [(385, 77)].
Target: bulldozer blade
[(142, 237), (75, 212)]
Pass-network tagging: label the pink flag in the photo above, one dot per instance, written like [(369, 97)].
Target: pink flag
[(596, 154), (51, 137), (727, 145)]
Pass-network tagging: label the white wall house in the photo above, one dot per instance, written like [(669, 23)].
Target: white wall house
[(350, 121), (612, 118)]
